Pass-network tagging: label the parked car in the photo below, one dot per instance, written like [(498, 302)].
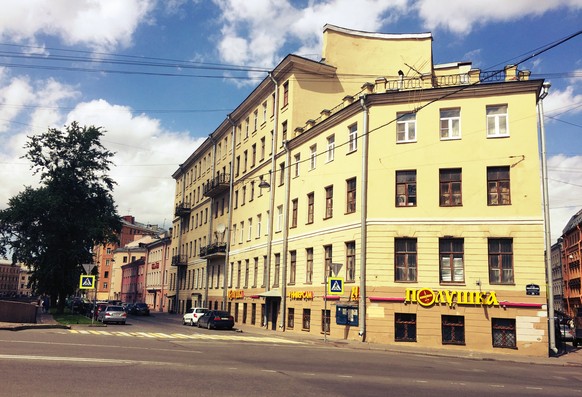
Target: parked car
[(112, 314), (127, 307), (192, 315), (567, 334), (98, 308), (216, 319), (140, 308)]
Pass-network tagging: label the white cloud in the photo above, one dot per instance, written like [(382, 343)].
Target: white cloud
[(101, 25), (255, 32), (562, 101), (461, 16)]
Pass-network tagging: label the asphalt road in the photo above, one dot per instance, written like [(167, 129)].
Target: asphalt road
[(152, 356)]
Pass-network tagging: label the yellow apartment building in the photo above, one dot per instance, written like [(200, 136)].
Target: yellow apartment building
[(371, 196)]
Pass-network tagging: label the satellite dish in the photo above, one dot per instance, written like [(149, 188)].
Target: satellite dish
[(220, 228)]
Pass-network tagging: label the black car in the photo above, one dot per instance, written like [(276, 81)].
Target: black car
[(140, 308), (216, 319)]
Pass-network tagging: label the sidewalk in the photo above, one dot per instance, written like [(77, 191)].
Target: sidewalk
[(572, 357)]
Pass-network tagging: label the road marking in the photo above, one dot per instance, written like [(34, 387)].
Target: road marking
[(80, 359), (213, 337), (345, 376), (498, 386)]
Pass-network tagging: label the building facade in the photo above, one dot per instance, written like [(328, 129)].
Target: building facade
[(104, 254), (157, 270), (571, 253), (9, 279), (557, 277), (371, 196)]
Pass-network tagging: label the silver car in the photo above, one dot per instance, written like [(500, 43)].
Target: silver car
[(112, 314)]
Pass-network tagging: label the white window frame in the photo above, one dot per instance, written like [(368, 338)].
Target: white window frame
[(406, 125), (497, 115), (312, 157), (250, 235), (448, 121), (259, 220), (353, 138), (279, 218), (242, 232), (297, 162), (330, 148)]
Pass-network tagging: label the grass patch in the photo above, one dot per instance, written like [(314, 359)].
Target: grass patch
[(67, 318)]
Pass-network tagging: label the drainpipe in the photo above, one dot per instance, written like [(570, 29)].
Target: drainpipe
[(546, 201), (271, 193), (210, 222), (364, 216), (285, 236), (230, 208), (177, 298)]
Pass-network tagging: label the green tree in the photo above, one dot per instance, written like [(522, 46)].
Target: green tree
[(54, 227)]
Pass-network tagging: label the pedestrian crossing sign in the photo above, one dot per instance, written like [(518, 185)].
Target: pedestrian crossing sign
[(87, 282), (335, 286)]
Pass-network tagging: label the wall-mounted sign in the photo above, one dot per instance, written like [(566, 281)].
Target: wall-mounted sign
[(427, 297), (355, 294), (335, 285), (301, 295), (236, 294), (532, 289)]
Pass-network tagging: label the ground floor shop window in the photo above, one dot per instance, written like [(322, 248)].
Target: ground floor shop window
[(453, 330), (263, 315), (253, 313), (290, 318), (325, 320), (503, 332), (236, 312), (306, 325), (405, 327), (244, 313)]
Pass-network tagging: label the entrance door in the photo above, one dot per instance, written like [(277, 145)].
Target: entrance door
[(274, 306)]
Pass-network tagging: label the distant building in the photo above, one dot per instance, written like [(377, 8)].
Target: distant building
[(24, 281), (9, 277), (571, 254), (557, 278), (103, 254), (157, 270)]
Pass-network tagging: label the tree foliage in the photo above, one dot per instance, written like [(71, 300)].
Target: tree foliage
[(54, 227)]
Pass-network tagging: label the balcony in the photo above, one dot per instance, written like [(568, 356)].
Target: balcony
[(216, 186), (182, 209), (214, 250), (180, 260)]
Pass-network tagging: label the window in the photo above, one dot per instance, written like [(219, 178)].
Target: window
[(290, 318), (242, 232), (297, 163), (247, 271), (294, 204), (262, 148), (255, 271), (277, 270), (237, 274), (330, 148), (351, 195), (254, 155), (453, 330), (285, 93), (327, 254), (350, 261), (247, 125), (497, 121), (256, 120), (503, 332), (281, 174), (405, 259), (451, 253), (244, 195), (250, 234), (264, 112), (328, 202), (450, 123), (292, 266), (310, 205), (405, 327), (237, 165), (309, 265), (231, 275), (283, 132), (353, 138), (306, 324), (450, 187), (279, 218), (245, 160), (405, 127), (406, 188), (325, 320), (252, 197), (265, 271), (312, 157), (498, 189), (259, 219), (500, 260)]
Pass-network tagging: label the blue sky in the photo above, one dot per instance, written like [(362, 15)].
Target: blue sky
[(160, 76)]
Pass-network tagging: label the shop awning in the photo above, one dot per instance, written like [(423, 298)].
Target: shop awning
[(274, 293)]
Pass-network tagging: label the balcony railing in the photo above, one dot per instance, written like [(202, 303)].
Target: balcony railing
[(180, 260), (183, 209), (213, 250), (217, 185)]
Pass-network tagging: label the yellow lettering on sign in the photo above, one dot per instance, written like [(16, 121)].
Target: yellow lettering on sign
[(355, 294), (299, 295), (492, 299), (236, 294)]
